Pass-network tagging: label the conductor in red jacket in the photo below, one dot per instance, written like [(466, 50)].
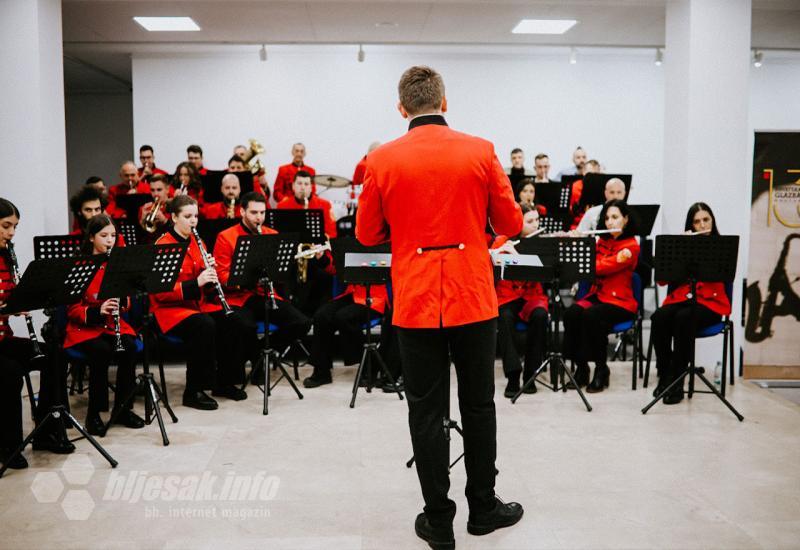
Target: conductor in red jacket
[(444, 298)]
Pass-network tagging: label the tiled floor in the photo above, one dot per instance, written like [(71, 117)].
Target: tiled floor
[(686, 476)]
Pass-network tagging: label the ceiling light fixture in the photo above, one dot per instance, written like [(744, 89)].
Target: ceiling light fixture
[(172, 24), (262, 53), (387, 25), (544, 26), (573, 56), (758, 58), (361, 54), (659, 57)]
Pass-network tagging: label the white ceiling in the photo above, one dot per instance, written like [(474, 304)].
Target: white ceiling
[(101, 34)]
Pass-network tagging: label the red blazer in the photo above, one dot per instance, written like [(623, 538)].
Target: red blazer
[(154, 172), (508, 291), (614, 280), (314, 203), (710, 295), (285, 177), (122, 189), (84, 320), (574, 199), (186, 298), (223, 253), (6, 286), (361, 168), (219, 210), (407, 196)]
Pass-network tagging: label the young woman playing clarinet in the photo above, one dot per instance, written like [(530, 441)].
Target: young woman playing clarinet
[(215, 351), (674, 324), (95, 328), (520, 300), (609, 301)]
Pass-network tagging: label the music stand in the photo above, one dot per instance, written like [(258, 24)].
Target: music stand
[(131, 203), (561, 260), (365, 265), (681, 258), (554, 196), (48, 284), (644, 216), (594, 187), (210, 229), (129, 231), (138, 271), (48, 247), (308, 225), (553, 224), (261, 260)]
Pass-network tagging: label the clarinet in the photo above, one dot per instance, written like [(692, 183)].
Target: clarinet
[(117, 326), (207, 263), (37, 350)]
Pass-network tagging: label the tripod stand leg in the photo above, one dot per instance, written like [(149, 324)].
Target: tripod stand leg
[(151, 395), (655, 400), (386, 373), (163, 400), (720, 396), (77, 425), (359, 374), (532, 380), (285, 374), (563, 367), (18, 451), (265, 362)]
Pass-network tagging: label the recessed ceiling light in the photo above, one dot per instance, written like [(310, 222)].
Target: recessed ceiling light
[(167, 23), (387, 25), (543, 26)]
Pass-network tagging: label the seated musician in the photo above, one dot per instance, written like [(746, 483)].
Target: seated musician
[(541, 166), (674, 324), (229, 207), (303, 197), (212, 343), (91, 329), (361, 167), (614, 190), (130, 184), (578, 164), (589, 167), (259, 178), (520, 300), (292, 324), (517, 171), (610, 300), (194, 155), (186, 181), (148, 160), (287, 173), (156, 221), (98, 183), (525, 193), (16, 360), (85, 204)]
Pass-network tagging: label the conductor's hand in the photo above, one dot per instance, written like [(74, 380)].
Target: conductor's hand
[(207, 276), (623, 255), (109, 307)]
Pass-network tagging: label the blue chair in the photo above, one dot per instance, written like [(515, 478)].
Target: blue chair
[(724, 327)]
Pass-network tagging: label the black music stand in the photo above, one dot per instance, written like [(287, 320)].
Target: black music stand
[(131, 203), (554, 196), (212, 183), (553, 224), (130, 231), (561, 260), (308, 225), (210, 229), (594, 189), (681, 258), (365, 265), (261, 260), (138, 271), (48, 284), (47, 247)]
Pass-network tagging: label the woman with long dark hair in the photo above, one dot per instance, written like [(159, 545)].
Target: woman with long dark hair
[(674, 324)]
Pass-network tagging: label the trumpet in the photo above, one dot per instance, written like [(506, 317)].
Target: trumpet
[(304, 252), (231, 213), (37, 350), (149, 222), (207, 264), (307, 251)]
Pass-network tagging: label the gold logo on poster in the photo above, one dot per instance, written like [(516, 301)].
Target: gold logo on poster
[(784, 200)]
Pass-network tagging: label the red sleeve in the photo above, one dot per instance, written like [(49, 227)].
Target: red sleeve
[(505, 214), (330, 222), (371, 226), (279, 189), (223, 254), (77, 313), (608, 265)]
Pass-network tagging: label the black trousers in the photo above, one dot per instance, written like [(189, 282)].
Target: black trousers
[(536, 336), (292, 324), (214, 348), (586, 331), (15, 362), (100, 355), (308, 297), (345, 316), (673, 328), (426, 355)]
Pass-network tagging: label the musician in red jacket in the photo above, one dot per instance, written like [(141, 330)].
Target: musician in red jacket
[(445, 306), (130, 184), (675, 323), (148, 160), (159, 191), (194, 155), (291, 322), (85, 204), (525, 301), (228, 208), (287, 172), (610, 300), (186, 181), (303, 196), (91, 329), (212, 341)]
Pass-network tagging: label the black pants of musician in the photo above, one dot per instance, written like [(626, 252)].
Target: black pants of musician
[(673, 328), (316, 291), (345, 316), (15, 362), (100, 355), (535, 339), (426, 355), (586, 331), (291, 322), (214, 348)]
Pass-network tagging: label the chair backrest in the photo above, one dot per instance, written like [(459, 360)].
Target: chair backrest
[(638, 291)]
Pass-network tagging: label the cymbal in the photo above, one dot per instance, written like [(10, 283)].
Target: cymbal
[(331, 182)]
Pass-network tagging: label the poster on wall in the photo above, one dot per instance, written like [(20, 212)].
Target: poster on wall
[(772, 316)]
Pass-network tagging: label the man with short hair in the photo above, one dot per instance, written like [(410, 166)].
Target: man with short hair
[(541, 165), (159, 191), (578, 162), (148, 160), (194, 154), (303, 196), (286, 173), (236, 164), (130, 184), (445, 305), (228, 208), (614, 190), (517, 171)]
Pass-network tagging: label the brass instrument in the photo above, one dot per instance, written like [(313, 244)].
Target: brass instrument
[(207, 264), (37, 350), (118, 347), (231, 213), (251, 158), (309, 251), (149, 222), (302, 249)]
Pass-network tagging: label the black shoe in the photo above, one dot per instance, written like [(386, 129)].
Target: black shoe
[(660, 387), (581, 376), (231, 392), (674, 396), (94, 425), (318, 378), (438, 538), (503, 515), (528, 388), (129, 419), (512, 387), (19, 462), (599, 380), (200, 401), (53, 442), (388, 387)]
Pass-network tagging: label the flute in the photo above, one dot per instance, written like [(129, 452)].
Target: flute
[(37, 350), (207, 264), (705, 231), (600, 231)]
